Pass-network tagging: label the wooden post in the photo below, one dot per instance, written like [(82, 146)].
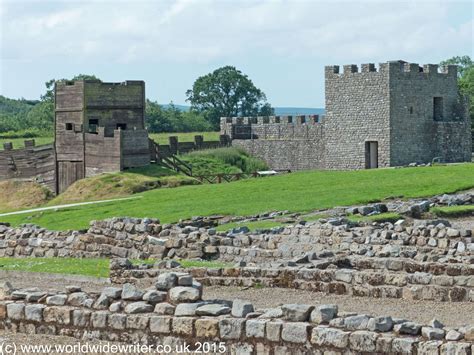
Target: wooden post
[(198, 141), (173, 140)]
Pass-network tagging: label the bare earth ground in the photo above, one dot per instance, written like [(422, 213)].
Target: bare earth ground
[(450, 314)]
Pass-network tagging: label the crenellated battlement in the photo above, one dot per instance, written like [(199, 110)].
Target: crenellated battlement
[(391, 67), (258, 120)]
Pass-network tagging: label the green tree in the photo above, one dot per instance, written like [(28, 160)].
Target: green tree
[(465, 80), (49, 95), (226, 92)]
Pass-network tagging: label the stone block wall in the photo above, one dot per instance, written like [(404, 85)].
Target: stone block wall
[(417, 134), (408, 113), (283, 142), (172, 312), (357, 112)]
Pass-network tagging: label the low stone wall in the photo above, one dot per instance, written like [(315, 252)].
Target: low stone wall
[(147, 238), (172, 314), (117, 237), (357, 277)]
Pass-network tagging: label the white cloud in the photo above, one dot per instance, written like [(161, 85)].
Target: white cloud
[(192, 31)]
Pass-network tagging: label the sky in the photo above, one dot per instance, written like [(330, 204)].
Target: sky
[(281, 45)]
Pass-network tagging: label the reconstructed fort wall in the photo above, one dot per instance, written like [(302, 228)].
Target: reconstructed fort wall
[(394, 115), (30, 163), (428, 116), (283, 142), (357, 112)]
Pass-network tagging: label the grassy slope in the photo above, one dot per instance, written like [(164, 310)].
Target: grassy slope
[(302, 191), (453, 211), (223, 160), (112, 185), (20, 194)]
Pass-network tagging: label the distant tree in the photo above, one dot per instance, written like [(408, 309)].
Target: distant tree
[(465, 79), (226, 92), (171, 119), (49, 95)]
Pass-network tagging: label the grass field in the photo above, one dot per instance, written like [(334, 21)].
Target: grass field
[(303, 191), (70, 266), (453, 211), (160, 138), (86, 267)]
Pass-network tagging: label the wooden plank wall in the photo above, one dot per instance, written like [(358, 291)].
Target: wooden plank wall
[(32, 164)]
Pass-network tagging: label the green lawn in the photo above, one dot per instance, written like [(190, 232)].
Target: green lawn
[(19, 142), (303, 191), (71, 266), (453, 211)]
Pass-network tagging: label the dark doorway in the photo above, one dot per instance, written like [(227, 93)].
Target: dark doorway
[(371, 155), (438, 108)]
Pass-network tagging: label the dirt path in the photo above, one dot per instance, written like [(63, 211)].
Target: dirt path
[(450, 314), (68, 205)]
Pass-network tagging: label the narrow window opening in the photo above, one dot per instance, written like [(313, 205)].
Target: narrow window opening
[(411, 110), (93, 126), (69, 126), (438, 108)]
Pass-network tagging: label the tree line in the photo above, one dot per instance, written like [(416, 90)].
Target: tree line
[(224, 92)]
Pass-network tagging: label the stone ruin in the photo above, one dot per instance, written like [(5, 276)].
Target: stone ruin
[(162, 303), (172, 312)]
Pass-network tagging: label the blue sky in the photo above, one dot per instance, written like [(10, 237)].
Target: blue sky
[(281, 45)]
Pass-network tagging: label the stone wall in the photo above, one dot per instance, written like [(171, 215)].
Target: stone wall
[(425, 261), (172, 312), (30, 163), (144, 238), (283, 142), (285, 154)]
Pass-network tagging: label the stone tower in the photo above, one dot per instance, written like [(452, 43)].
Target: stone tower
[(99, 127), (400, 114)]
